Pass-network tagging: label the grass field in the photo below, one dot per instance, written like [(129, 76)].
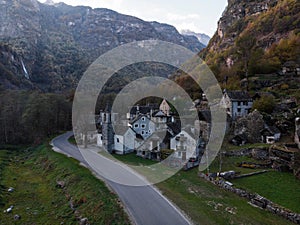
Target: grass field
[(231, 163), (208, 204), (281, 188), (205, 203), (34, 175), (132, 159)]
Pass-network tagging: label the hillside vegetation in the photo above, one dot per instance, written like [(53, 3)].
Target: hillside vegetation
[(50, 188), (256, 37)]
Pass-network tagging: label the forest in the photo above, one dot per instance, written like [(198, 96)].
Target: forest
[(29, 117)]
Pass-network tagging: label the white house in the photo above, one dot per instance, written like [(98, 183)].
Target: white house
[(143, 126), (237, 103), (184, 146)]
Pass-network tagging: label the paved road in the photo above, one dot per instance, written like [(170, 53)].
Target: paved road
[(145, 204)]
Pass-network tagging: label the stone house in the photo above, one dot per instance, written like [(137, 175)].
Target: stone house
[(137, 134), (138, 110), (270, 134), (203, 123), (237, 103), (291, 68), (150, 149), (184, 144)]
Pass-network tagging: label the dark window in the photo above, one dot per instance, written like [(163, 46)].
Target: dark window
[(239, 103), (136, 125), (143, 126), (239, 110), (118, 140)]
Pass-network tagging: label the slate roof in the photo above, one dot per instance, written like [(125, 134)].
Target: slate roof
[(175, 127), (272, 130), (120, 130), (143, 109), (138, 118), (159, 114), (239, 96)]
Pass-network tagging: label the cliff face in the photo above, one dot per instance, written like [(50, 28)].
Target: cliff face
[(257, 36), (48, 47)]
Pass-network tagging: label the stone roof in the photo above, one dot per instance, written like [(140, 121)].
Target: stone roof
[(159, 114), (120, 130), (175, 127), (138, 118), (239, 96), (143, 109)]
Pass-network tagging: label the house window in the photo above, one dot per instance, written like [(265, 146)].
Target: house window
[(149, 131), (143, 132), (179, 154), (239, 110), (239, 103), (246, 103), (143, 126), (118, 140), (143, 119), (136, 125)]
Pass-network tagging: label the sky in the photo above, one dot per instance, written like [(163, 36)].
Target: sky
[(200, 16)]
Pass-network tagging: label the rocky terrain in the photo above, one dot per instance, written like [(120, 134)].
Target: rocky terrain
[(48, 46), (255, 37)]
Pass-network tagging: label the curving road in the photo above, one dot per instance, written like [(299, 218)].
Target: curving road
[(145, 204)]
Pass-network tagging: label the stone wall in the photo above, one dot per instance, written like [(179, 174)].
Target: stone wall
[(255, 199)]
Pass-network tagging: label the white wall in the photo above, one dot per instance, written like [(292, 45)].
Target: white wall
[(99, 140), (129, 139), (119, 144), (189, 145)]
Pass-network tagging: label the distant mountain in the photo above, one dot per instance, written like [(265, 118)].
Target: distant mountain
[(203, 38), (49, 46), (255, 37)]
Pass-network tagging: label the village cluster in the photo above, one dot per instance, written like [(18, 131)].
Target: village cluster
[(150, 130)]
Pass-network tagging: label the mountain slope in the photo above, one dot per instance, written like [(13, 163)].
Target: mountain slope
[(203, 38), (49, 46), (255, 37)]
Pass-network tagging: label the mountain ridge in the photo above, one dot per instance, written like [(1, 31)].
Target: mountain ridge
[(57, 42)]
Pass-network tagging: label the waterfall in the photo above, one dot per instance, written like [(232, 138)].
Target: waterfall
[(25, 70)]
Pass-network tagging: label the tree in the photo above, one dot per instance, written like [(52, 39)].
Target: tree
[(245, 44), (265, 104)]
